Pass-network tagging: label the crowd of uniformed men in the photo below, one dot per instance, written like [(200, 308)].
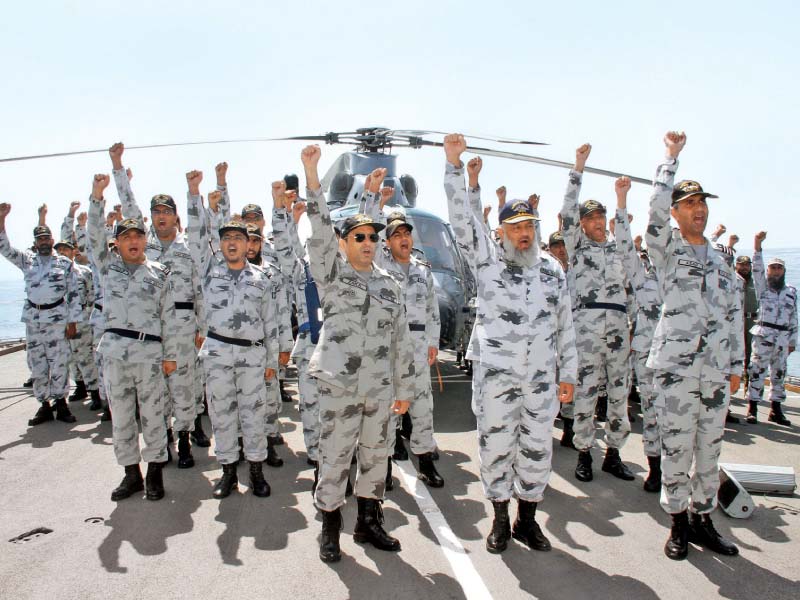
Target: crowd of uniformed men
[(158, 324)]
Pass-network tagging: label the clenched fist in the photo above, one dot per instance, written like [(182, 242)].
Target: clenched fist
[(454, 147), (194, 178), (674, 141)]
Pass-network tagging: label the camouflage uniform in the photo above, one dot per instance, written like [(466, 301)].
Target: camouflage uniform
[(181, 402), (242, 309), (139, 302), (773, 333), (647, 291), (364, 360), (52, 301), (601, 326), (697, 345), (96, 319), (522, 334), (750, 308)]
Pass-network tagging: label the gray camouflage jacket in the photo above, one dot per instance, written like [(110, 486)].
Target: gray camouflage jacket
[(778, 308)]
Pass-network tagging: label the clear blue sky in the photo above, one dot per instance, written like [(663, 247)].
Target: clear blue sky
[(83, 75)]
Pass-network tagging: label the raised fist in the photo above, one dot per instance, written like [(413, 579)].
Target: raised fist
[(375, 180), (298, 208), (637, 243), (674, 141), (99, 184), (115, 152), (222, 171), (118, 212), (581, 156), (761, 236), (129, 173), (73, 208), (42, 211), (486, 211), (291, 198), (82, 218), (720, 230), (213, 200), (454, 147), (474, 167), (311, 155), (279, 193), (194, 178), (386, 194), (5, 208), (733, 240), (533, 200), (622, 185), (501, 196)]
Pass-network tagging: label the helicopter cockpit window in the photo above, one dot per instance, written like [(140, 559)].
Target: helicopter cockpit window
[(340, 187), (434, 240)]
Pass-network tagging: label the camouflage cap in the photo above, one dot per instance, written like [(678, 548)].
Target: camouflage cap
[(743, 259), (252, 209), (556, 238), (517, 211), (254, 230), (66, 243), (292, 182), (358, 220), (163, 200), (42, 231), (128, 225), (396, 221), (591, 206), (233, 226), (686, 188), (777, 261)]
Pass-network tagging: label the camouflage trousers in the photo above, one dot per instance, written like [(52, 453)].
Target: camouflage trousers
[(309, 408), (691, 416), (126, 383), (181, 400), (768, 353), (351, 423), (651, 437), (199, 386), (82, 366), (272, 409), (421, 412), (48, 351), (515, 433), (97, 333), (602, 360), (236, 398)]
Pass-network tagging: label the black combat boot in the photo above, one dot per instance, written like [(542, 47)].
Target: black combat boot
[(130, 484), (106, 416), (406, 426), (601, 409), (273, 460), (62, 411), (653, 481), (730, 418), (400, 452), (96, 403), (227, 483), (458, 359), (568, 434), (583, 471), (613, 464), (498, 537), (258, 484), (316, 478), (752, 412), (285, 397), (154, 482), (427, 471), (389, 480), (79, 393), (677, 546), (277, 439), (527, 530), (185, 458), (703, 533), (329, 550), (775, 415), (28, 383), (369, 526), (199, 436), (170, 441), (44, 414)]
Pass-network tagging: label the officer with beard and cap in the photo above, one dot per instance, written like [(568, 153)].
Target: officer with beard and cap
[(744, 274), (774, 334), (240, 351), (51, 312), (696, 355), (167, 246), (139, 346), (601, 326), (363, 363), (523, 335)]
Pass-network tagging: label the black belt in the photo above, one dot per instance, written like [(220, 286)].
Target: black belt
[(774, 326), (46, 306), (604, 306), (416, 327), (184, 306), (98, 306), (135, 335), (234, 341)]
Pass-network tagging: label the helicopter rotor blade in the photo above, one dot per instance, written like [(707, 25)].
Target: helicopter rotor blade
[(487, 138)]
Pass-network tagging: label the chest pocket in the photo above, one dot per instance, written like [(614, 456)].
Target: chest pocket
[(549, 282), (253, 292), (151, 286), (724, 281), (689, 275)]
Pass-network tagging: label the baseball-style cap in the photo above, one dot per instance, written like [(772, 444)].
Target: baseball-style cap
[(556, 238), (743, 259), (777, 261), (252, 208), (254, 230), (233, 226), (517, 211), (589, 207), (163, 200), (66, 243), (292, 182), (128, 225), (358, 220), (42, 231), (687, 187)]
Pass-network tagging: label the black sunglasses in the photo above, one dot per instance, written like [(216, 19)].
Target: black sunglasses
[(360, 237)]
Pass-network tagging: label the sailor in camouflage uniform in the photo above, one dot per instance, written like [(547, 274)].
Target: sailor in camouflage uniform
[(522, 335), (169, 247), (774, 334), (51, 311), (363, 363), (240, 351), (138, 346), (696, 355)]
